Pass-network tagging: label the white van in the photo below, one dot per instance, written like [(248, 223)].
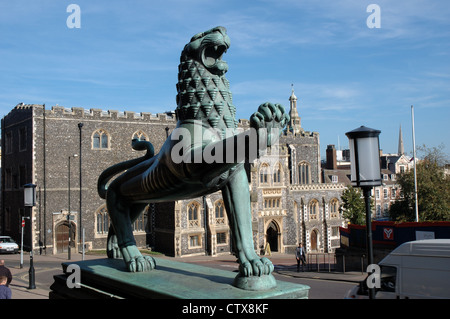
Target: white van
[(416, 269)]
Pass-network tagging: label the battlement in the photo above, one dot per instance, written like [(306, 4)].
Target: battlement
[(58, 111), (78, 112)]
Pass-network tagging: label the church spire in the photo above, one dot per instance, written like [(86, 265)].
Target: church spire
[(294, 125), (401, 149)]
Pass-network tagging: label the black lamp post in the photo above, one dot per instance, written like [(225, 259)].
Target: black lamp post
[(30, 201), (69, 217), (80, 126), (365, 173)]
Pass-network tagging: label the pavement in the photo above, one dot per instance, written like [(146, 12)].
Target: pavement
[(20, 283), (285, 265)]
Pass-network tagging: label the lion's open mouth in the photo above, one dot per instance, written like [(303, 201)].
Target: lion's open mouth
[(212, 54)]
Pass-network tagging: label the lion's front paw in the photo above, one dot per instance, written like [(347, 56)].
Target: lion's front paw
[(256, 267), (272, 117), (135, 262), (141, 264)]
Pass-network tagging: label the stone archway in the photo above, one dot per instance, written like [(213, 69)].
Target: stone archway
[(272, 235), (62, 236)]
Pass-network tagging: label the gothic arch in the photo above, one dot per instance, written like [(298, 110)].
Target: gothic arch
[(63, 232), (140, 135), (314, 240), (313, 209), (220, 212), (102, 220), (277, 173), (304, 173), (273, 235), (334, 208), (194, 214), (264, 174), (100, 139)]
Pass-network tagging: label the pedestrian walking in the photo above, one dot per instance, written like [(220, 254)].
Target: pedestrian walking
[(4, 271), (5, 291), (300, 255)]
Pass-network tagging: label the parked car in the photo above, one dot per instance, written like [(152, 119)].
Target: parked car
[(8, 245), (417, 269)]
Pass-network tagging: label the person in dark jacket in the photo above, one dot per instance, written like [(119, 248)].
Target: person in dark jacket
[(4, 271), (300, 255), (5, 292)]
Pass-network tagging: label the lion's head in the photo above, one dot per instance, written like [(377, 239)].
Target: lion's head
[(207, 48), (203, 90)]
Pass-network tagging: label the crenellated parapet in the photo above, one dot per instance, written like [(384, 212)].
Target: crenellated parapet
[(98, 114)]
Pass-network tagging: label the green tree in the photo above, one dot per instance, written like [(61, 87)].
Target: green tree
[(353, 207), (433, 190)]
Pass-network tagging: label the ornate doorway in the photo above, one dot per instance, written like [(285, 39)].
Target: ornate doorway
[(62, 237), (272, 235)]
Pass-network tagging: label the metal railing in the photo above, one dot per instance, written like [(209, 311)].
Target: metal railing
[(321, 262), (328, 262)]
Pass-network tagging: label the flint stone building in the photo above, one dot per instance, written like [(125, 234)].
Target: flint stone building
[(47, 147)]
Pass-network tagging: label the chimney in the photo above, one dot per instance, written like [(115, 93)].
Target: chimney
[(331, 157)]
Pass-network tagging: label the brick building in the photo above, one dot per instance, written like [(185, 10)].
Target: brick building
[(47, 147)]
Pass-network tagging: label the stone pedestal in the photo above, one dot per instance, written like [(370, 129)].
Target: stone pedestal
[(108, 278)]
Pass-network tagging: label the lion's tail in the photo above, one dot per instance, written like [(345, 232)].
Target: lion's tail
[(108, 173)]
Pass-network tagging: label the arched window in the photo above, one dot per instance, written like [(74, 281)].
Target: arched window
[(277, 174), (304, 173), (102, 220), (264, 174), (334, 208), (139, 135), (313, 209), (219, 208), (100, 139), (194, 214), (140, 222)]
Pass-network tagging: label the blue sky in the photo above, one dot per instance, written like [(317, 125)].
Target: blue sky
[(125, 57)]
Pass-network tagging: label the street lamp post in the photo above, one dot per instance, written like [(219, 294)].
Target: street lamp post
[(80, 126), (68, 200), (29, 201), (365, 173)]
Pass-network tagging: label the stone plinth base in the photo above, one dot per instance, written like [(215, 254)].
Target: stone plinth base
[(108, 278)]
